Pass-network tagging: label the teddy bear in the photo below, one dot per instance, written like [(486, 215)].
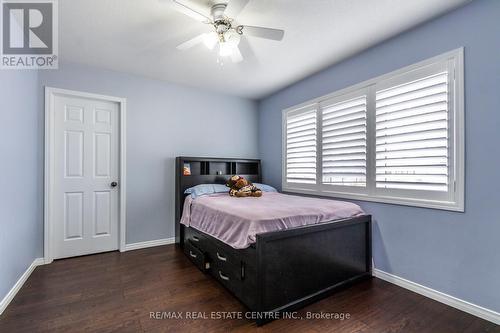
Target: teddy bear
[(240, 187)]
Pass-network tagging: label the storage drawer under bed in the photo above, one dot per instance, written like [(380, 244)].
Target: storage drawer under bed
[(229, 276), (234, 269), (197, 256), (196, 238), (236, 276)]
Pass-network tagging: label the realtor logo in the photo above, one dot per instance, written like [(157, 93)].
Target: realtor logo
[(29, 34)]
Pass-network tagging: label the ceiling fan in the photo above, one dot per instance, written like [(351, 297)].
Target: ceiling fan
[(225, 34)]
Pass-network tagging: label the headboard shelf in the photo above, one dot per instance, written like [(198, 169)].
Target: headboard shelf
[(247, 168), (195, 168), (208, 170), (219, 168)]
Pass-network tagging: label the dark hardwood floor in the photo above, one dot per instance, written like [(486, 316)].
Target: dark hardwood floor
[(117, 291)]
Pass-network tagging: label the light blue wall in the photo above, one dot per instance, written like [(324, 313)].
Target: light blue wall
[(21, 175), (455, 253), (163, 121)]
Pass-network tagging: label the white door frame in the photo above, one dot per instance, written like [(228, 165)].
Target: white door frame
[(49, 175)]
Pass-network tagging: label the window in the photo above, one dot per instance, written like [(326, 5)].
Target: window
[(343, 131), (412, 135), (301, 147), (397, 138)]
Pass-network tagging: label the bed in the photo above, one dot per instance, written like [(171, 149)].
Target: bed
[(276, 253)]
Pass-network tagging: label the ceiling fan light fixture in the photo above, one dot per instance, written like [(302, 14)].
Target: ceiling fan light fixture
[(232, 37), (228, 42)]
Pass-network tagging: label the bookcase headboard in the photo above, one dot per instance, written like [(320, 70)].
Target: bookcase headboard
[(208, 170)]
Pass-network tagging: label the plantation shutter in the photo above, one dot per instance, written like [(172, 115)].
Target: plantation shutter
[(344, 143), (412, 135), (301, 147)]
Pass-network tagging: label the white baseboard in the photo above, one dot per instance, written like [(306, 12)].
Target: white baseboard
[(13, 291), (457, 303), (143, 245)]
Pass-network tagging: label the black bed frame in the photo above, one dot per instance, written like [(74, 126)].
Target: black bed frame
[(284, 270)]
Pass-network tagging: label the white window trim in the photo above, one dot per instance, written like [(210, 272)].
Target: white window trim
[(457, 127)]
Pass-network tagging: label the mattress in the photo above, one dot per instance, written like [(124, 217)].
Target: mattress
[(237, 221)]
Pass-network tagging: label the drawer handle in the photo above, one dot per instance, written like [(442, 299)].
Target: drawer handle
[(221, 258), (196, 239), (192, 254), (223, 277)]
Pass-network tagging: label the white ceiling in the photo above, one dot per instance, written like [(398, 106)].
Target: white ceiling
[(140, 36)]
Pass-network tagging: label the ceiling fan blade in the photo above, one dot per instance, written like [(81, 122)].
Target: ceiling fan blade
[(236, 56), (185, 8), (234, 7), (247, 50), (191, 43), (261, 32)]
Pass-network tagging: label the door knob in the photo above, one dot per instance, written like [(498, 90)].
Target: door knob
[(114, 184)]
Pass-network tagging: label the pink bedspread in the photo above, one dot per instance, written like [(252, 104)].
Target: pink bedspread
[(236, 221)]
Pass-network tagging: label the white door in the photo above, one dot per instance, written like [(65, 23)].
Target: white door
[(86, 160)]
